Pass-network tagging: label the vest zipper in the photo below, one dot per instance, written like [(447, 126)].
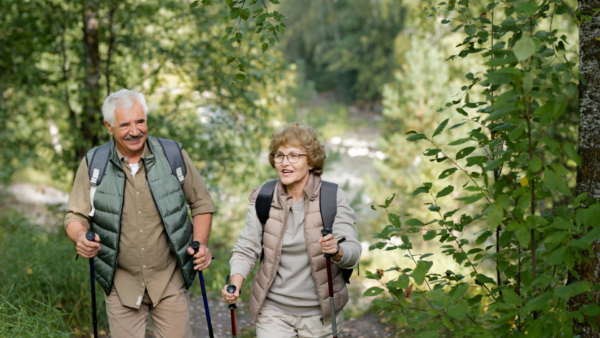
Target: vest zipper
[(112, 279), (165, 227)]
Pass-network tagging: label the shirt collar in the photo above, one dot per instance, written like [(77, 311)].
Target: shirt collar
[(147, 152)]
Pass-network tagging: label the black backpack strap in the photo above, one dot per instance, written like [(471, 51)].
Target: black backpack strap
[(172, 151), (263, 202), (328, 205), (263, 206)]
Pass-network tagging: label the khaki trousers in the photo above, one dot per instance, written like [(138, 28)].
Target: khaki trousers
[(272, 323), (171, 317)]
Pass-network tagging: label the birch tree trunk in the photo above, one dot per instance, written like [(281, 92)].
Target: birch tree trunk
[(588, 175)]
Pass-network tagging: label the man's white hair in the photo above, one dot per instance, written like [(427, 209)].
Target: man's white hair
[(123, 99)]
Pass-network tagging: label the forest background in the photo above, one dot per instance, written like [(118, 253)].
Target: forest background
[(220, 79)]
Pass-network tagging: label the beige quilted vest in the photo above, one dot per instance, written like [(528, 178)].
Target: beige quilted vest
[(273, 242)]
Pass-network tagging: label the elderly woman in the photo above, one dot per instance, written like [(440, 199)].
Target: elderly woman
[(289, 295)]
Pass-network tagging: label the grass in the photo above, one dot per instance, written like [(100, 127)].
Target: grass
[(44, 291)]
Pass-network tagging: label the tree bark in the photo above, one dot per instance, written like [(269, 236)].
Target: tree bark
[(588, 175), (91, 120)]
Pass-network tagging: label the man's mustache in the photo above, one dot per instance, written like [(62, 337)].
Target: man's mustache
[(134, 138)]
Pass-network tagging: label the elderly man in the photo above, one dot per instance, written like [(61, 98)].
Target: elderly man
[(128, 192)]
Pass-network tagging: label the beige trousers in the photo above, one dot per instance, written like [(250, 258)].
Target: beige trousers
[(171, 317), (272, 323)]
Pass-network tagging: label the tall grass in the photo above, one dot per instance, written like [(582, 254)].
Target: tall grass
[(44, 292)]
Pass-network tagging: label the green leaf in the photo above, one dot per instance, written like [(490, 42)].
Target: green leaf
[(378, 245), (553, 181), (429, 334), (395, 220), (194, 4), (459, 141), (416, 137), (504, 201), (535, 164), (464, 152), (505, 238), (445, 192), (420, 271), (265, 46), (429, 235), (557, 256), (460, 291), (458, 311), (240, 77), (485, 279), (470, 199), (230, 59), (422, 190), (371, 292), (524, 48), (538, 302), (447, 173), (523, 235), (397, 284), (511, 297), (494, 218), (276, 2), (244, 61), (572, 153), (245, 14), (527, 7), (414, 222), (591, 310), (516, 133), (494, 164), (440, 128)]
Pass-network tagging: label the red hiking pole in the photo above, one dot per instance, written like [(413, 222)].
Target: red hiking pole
[(325, 232), (231, 289)]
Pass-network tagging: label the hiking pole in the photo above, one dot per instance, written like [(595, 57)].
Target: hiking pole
[(231, 289), (325, 232), (196, 246), (91, 236)]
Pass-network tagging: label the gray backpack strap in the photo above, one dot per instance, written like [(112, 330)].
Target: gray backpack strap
[(172, 151), (96, 168), (97, 165), (264, 200), (328, 203)]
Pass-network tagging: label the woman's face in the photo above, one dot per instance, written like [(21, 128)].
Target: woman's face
[(292, 174)]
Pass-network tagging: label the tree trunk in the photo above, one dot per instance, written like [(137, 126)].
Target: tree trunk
[(588, 175), (91, 119)]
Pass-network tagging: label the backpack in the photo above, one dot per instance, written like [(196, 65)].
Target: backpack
[(97, 165), (327, 203)]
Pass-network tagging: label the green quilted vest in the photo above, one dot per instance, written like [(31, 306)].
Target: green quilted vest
[(168, 198)]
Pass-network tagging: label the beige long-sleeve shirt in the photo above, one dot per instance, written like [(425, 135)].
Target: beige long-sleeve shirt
[(294, 290), (145, 260)]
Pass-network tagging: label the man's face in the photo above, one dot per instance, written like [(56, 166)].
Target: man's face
[(130, 129)]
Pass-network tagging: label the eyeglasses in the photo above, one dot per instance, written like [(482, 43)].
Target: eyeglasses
[(293, 157)]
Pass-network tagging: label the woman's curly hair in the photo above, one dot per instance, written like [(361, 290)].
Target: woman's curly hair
[(303, 136)]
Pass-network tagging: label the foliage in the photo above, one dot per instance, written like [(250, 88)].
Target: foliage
[(167, 49), (347, 46), (514, 159)]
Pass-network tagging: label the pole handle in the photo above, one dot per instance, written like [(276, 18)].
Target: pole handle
[(196, 246)]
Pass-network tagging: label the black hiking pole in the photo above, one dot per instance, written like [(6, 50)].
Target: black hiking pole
[(325, 232), (91, 236), (231, 289), (196, 246)]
